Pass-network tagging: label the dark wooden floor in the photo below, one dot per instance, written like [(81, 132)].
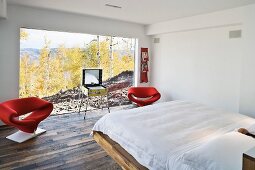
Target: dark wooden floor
[(67, 144)]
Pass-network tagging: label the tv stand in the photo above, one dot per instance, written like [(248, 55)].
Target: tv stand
[(93, 91)]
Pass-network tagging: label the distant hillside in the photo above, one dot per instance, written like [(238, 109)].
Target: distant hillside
[(32, 52), (123, 76)]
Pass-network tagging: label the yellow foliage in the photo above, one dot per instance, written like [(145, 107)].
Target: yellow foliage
[(23, 34)]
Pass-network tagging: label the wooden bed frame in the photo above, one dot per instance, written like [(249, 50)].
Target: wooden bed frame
[(120, 155)]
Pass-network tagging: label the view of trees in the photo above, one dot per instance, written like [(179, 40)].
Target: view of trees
[(59, 69)]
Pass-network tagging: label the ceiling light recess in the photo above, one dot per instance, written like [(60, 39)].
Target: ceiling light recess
[(113, 6)]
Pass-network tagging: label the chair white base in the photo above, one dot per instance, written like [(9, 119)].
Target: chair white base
[(23, 136)]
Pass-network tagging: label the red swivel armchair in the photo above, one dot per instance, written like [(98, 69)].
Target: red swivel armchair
[(11, 110), (143, 96)]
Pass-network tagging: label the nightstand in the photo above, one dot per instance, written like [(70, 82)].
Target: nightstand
[(249, 159)]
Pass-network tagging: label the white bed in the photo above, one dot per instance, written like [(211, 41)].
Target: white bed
[(158, 136)]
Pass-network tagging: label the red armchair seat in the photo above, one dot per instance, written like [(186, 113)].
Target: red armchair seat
[(39, 110), (143, 96)]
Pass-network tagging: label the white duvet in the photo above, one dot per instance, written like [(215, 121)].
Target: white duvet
[(158, 135)]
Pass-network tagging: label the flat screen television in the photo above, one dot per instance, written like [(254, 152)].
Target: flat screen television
[(91, 77)]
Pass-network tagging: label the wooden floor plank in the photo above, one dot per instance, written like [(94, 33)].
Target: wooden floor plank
[(67, 144)]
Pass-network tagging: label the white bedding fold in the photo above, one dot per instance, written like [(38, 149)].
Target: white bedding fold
[(158, 135)]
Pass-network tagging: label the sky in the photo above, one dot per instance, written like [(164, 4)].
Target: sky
[(36, 39)]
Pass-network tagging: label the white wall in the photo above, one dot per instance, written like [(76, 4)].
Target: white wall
[(3, 8), (20, 16), (196, 61)]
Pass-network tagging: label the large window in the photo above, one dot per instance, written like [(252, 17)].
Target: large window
[(51, 63)]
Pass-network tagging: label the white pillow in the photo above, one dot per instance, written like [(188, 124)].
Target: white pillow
[(251, 129), (222, 153)]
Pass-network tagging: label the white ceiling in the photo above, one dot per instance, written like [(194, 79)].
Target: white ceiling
[(138, 11)]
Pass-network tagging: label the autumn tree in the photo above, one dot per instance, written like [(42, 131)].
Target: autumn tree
[(23, 34), (26, 73), (105, 62), (43, 70), (56, 75), (73, 65), (91, 53)]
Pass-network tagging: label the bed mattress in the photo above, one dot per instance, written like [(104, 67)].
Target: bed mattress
[(158, 135)]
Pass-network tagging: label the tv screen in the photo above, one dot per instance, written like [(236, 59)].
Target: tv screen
[(91, 77)]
